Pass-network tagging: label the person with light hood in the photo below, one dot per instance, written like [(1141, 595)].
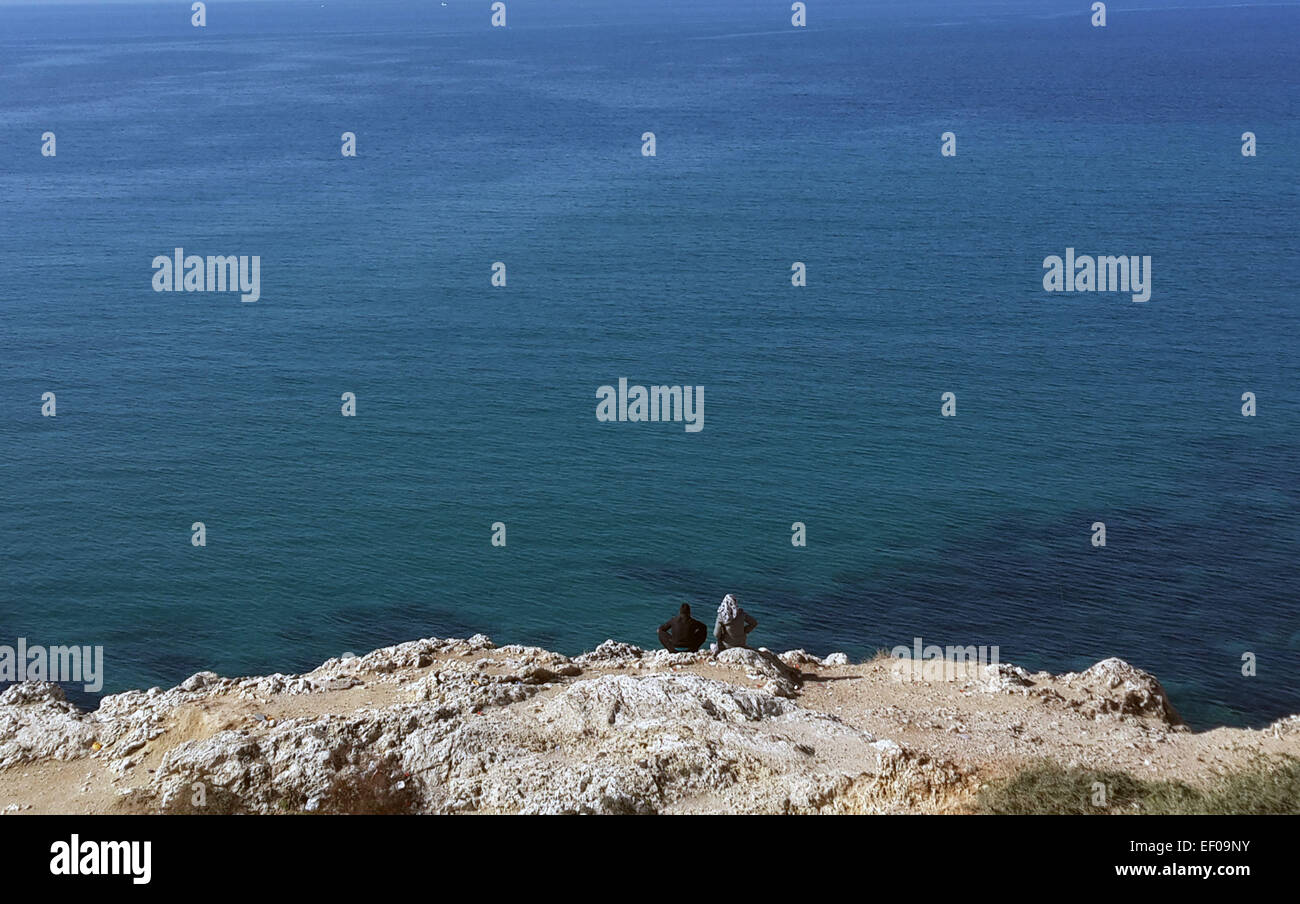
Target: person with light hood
[(733, 625)]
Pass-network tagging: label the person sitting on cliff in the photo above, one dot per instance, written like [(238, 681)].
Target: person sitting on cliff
[(733, 625), (681, 632)]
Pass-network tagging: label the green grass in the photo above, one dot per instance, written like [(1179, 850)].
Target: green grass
[(1267, 786)]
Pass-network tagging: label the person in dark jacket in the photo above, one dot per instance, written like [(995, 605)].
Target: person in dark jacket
[(681, 632)]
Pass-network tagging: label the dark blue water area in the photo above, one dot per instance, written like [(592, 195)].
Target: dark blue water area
[(476, 403)]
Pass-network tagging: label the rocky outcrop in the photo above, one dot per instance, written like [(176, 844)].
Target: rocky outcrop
[(463, 726), (1003, 678), (612, 744), (1285, 726), (1115, 688), (38, 722)]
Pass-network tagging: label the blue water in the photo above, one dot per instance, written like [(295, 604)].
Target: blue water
[(476, 404)]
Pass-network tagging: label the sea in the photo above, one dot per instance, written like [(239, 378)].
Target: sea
[(525, 145)]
